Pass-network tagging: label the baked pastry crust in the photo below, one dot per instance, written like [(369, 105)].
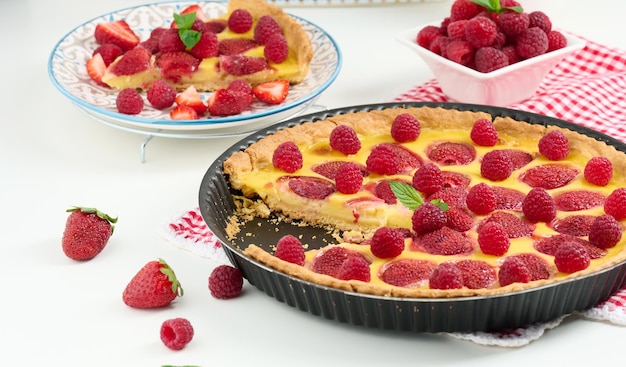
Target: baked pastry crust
[(512, 133)]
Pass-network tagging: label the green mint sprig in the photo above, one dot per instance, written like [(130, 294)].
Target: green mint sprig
[(184, 22), (410, 198), (494, 6)]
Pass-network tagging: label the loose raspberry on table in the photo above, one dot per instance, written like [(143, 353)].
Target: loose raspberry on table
[(225, 282), (290, 249), (493, 239), (541, 20), (266, 27), (615, 204), (554, 145), (176, 333), (513, 270), (129, 101), (446, 276), (556, 41), (355, 268), (161, 94), (481, 199), (483, 133), (605, 232), (571, 257), (513, 23), (539, 206), (428, 179), (276, 48), (287, 157), (599, 171), (344, 139), (533, 42), (460, 51), (480, 31), (387, 242), (405, 128), (427, 218), (349, 178), (488, 59), (496, 165), (240, 21)]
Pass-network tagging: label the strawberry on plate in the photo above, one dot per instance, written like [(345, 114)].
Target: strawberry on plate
[(183, 112), (117, 32), (191, 97), (274, 92), (96, 67), (154, 285), (87, 231)]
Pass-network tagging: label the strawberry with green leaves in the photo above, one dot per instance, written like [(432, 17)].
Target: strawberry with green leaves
[(87, 231), (154, 285)]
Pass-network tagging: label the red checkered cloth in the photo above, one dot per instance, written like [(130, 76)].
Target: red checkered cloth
[(588, 88)]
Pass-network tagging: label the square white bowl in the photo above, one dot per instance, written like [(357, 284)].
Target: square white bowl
[(502, 87)]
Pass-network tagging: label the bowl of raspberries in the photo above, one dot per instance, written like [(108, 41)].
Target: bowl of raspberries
[(490, 52)]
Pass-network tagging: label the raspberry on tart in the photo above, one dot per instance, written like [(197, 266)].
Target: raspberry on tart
[(423, 207)]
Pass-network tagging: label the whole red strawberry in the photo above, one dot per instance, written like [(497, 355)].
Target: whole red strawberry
[(155, 285), (87, 231)]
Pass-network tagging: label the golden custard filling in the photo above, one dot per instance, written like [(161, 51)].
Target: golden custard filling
[(364, 212)]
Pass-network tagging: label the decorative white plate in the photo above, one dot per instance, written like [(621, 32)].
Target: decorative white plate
[(66, 68)]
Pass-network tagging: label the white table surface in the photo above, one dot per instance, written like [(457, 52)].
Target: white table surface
[(60, 312)]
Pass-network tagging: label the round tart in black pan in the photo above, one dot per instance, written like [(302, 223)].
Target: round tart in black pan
[(459, 314)]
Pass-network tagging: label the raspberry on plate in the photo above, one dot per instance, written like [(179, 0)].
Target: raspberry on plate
[(225, 282), (287, 157), (176, 333), (161, 95), (129, 101)]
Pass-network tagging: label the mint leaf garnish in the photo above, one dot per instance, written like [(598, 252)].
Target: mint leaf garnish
[(184, 22), (493, 6), (410, 198), (407, 194)]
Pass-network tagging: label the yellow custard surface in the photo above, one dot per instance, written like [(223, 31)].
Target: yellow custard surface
[(262, 180)]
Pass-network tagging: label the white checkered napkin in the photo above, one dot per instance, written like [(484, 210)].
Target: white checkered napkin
[(587, 88)]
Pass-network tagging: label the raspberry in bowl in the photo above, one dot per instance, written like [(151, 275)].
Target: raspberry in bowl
[(490, 56)]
